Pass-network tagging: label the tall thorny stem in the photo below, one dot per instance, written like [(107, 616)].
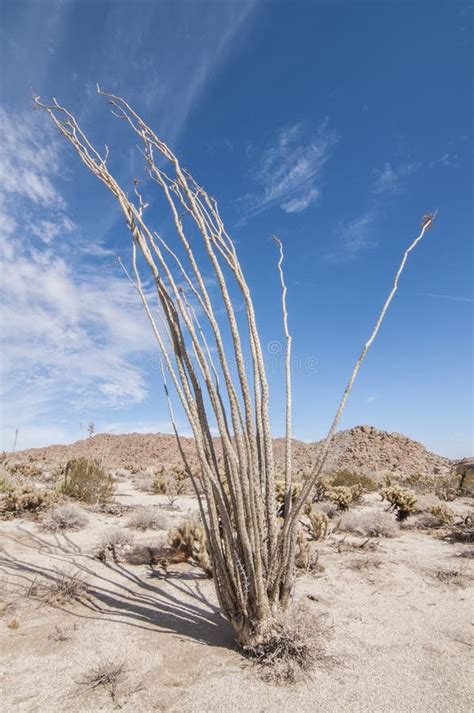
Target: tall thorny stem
[(251, 552)]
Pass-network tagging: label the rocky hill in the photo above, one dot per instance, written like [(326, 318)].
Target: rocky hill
[(363, 449)]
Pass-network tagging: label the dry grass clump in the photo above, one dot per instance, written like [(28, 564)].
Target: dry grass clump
[(189, 540), (66, 586), (401, 501), (115, 544), (292, 652), (454, 577), (369, 524), (365, 563), (149, 519), (25, 498), (88, 481), (65, 517), (107, 674)]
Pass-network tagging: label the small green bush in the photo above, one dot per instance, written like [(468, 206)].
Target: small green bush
[(88, 481)]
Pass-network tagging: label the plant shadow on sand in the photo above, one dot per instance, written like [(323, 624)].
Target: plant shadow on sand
[(116, 593)]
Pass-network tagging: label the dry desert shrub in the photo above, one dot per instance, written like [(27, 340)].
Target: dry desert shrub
[(24, 469), (369, 524), (463, 530), (292, 650), (64, 517), (467, 553), (149, 553), (144, 482), (448, 488), (87, 480), (348, 479), (5, 483), (149, 519), (330, 509), (115, 544), (25, 498)]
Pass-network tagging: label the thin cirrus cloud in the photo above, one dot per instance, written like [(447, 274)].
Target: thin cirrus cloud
[(356, 235), (289, 172), (74, 336), (389, 179), (352, 237)]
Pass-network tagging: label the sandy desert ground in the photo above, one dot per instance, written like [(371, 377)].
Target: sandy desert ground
[(395, 613)]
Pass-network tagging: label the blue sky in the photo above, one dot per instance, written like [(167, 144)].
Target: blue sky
[(335, 125)]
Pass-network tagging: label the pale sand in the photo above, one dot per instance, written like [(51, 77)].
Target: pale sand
[(399, 638)]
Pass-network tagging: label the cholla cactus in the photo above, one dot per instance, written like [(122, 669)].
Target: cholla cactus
[(180, 477), (401, 501), (356, 491), (280, 491), (303, 551), (321, 489), (159, 482), (442, 515), (319, 522), (341, 496), (190, 540)]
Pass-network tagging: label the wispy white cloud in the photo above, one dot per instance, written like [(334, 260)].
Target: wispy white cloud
[(189, 49), (352, 237), (448, 160), (73, 333), (449, 297), (289, 171), (389, 178)]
